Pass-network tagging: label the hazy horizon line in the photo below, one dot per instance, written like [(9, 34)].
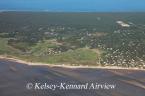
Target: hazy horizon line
[(65, 11)]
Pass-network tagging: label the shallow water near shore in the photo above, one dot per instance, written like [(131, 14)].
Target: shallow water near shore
[(15, 76)]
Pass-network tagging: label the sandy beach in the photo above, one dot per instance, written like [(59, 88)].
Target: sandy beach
[(63, 65)]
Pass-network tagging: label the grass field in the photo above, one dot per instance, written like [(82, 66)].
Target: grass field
[(5, 48), (78, 56)]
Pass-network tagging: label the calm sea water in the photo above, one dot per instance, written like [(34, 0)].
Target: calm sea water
[(14, 78), (73, 5)]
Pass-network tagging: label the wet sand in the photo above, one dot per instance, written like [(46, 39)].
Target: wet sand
[(15, 75)]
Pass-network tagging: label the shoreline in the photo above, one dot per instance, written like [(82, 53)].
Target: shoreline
[(13, 59)]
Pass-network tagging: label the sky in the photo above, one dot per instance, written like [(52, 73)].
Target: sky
[(74, 5)]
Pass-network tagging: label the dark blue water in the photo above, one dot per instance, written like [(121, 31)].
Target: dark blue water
[(14, 77), (73, 5)]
